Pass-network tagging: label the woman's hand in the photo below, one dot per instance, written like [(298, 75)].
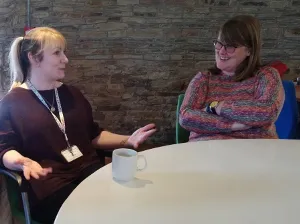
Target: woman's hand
[(140, 135), (32, 169), (239, 127), (235, 126), (219, 107)]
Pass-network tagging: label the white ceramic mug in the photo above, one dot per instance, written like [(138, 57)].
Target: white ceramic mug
[(125, 164)]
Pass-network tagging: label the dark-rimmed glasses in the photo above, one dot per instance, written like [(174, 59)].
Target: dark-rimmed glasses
[(228, 48)]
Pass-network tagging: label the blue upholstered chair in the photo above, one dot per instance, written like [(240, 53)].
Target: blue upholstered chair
[(287, 122)]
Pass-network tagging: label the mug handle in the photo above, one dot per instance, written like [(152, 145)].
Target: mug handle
[(145, 162)]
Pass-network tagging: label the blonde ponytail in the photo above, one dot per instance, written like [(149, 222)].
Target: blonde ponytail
[(16, 74), (34, 42)]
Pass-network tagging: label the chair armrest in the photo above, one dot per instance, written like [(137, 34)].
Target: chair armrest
[(22, 184), (107, 153), (13, 175)]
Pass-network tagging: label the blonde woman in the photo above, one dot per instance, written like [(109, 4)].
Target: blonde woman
[(47, 128)]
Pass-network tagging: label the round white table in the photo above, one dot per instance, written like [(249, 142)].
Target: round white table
[(228, 181)]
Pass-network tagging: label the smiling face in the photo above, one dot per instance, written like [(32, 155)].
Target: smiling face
[(53, 63), (46, 53), (237, 49), (229, 57)]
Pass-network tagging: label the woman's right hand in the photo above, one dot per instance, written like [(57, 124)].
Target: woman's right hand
[(32, 169), (239, 127)]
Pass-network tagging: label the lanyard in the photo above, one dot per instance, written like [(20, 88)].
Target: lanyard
[(61, 123)]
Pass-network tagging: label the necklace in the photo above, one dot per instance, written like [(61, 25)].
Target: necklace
[(52, 108)]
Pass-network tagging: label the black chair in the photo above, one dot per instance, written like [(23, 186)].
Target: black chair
[(16, 189), (104, 153)]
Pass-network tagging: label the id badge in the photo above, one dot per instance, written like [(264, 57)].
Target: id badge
[(71, 153)]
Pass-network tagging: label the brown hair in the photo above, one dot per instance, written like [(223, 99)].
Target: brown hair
[(243, 30), (35, 41)]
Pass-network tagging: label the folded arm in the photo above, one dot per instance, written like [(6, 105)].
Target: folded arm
[(192, 117), (266, 105)]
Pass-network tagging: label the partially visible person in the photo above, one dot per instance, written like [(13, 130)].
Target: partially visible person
[(47, 129), (238, 98), (280, 67)]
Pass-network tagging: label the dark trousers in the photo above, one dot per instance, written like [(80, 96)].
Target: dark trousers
[(46, 210)]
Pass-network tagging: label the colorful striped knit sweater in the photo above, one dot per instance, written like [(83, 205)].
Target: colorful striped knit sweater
[(255, 102)]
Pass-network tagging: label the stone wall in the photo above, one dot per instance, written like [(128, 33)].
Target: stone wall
[(131, 58)]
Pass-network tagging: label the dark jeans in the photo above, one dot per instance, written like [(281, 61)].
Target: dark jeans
[(46, 210)]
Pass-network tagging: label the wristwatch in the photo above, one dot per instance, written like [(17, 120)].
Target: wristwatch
[(212, 107)]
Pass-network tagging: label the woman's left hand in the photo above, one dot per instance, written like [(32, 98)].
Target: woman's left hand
[(140, 135)]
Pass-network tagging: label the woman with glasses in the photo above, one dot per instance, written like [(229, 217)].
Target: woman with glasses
[(238, 98)]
